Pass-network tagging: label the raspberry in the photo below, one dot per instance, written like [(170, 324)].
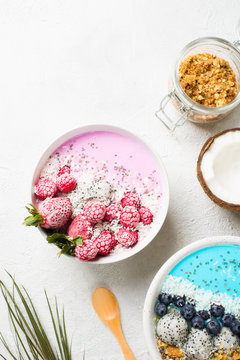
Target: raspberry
[(87, 251), (130, 199), (94, 211), (64, 170), (105, 242), (129, 217), (127, 237), (145, 215), (66, 183), (112, 212), (45, 188), (80, 227)]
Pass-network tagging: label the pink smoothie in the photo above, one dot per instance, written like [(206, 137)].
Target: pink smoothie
[(119, 159)]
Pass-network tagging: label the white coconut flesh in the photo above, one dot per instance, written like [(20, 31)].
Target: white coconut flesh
[(221, 167)]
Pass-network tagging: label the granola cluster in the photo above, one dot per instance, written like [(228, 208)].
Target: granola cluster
[(208, 79), (229, 355), (169, 352), (174, 353)]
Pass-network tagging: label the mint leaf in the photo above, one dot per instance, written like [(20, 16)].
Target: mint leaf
[(67, 249), (33, 220), (78, 240), (66, 244), (32, 211), (56, 237)]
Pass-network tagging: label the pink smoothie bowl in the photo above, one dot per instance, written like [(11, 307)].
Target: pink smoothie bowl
[(114, 146)]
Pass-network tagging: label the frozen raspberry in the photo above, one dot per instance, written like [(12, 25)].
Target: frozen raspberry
[(80, 227), (145, 215), (64, 170), (105, 242), (129, 217), (94, 211), (45, 188), (130, 199), (66, 183), (112, 212), (127, 237), (87, 251)]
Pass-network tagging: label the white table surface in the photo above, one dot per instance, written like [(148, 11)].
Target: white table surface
[(68, 63)]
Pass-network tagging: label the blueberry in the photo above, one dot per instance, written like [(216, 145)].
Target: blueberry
[(213, 327), (235, 327), (160, 309), (198, 322), (204, 314), (217, 310), (165, 298), (188, 311), (179, 301), (227, 320)]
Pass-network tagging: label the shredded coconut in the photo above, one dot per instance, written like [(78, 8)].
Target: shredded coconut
[(87, 189), (114, 226), (178, 286), (151, 201), (51, 169)]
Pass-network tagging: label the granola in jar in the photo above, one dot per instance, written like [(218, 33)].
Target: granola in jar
[(208, 79)]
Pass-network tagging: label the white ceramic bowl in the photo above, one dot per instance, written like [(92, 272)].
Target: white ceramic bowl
[(155, 287), (164, 200)]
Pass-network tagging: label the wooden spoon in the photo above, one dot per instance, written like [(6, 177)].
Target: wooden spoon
[(106, 307)]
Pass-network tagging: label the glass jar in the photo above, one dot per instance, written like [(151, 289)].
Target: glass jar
[(188, 109)]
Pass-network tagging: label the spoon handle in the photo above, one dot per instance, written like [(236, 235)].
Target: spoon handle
[(122, 342)]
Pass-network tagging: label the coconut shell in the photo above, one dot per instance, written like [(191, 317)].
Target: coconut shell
[(214, 198)]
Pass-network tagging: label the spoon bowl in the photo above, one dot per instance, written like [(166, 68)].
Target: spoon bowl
[(105, 304), (106, 307)]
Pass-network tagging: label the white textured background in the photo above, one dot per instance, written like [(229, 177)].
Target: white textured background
[(73, 62)]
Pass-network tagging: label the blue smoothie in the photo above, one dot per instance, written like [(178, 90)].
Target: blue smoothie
[(215, 268)]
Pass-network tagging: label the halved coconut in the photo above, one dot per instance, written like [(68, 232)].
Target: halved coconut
[(218, 169)]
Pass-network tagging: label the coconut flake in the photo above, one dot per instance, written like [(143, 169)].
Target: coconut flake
[(51, 169), (89, 189), (203, 298)]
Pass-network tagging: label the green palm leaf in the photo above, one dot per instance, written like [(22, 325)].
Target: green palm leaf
[(31, 340)]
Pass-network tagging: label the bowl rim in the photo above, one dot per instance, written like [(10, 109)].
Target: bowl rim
[(154, 288), (164, 179)]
